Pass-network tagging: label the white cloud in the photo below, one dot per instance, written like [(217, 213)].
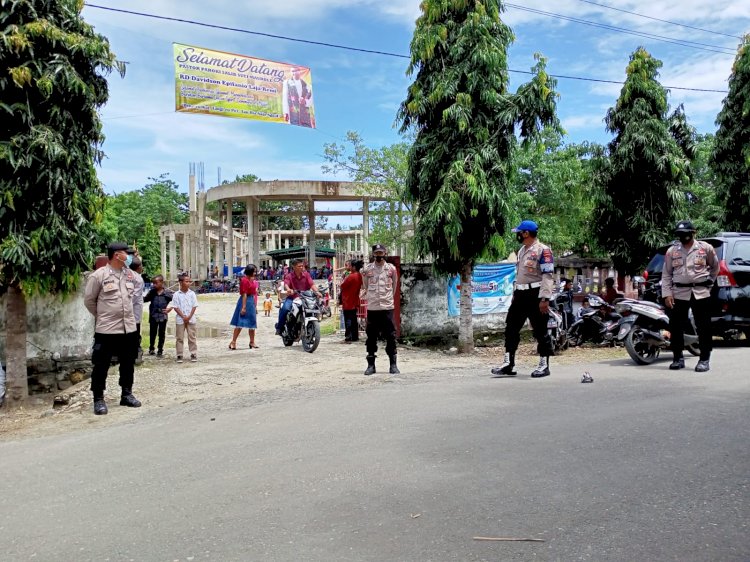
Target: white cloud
[(577, 122)]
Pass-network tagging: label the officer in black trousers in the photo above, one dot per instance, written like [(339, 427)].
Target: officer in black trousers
[(690, 270), (531, 296)]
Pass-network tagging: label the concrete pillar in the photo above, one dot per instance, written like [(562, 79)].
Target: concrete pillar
[(304, 238), (254, 232), (311, 209), (286, 242), (172, 275), (163, 253), (365, 223), (230, 241), (251, 242), (333, 245), (203, 241), (220, 243), (349, 244)]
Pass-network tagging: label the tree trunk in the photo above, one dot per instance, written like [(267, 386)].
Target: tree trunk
[(465, 325), (15, 348)]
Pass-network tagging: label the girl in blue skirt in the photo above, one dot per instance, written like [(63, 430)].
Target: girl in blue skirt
[(244, 312)]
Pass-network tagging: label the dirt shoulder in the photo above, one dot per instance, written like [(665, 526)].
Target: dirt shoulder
[(165, 384)]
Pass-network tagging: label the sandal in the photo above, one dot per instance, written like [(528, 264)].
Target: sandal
[(232, 346), (253, 346)]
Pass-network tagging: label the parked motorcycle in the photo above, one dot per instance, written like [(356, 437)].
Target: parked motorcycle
[(303, 322), (599, 324), (557, 324), (645, 331), (325, 305)]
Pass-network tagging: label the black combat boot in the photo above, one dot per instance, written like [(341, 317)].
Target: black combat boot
[(677, 363), (703, 366), (394, 368), (509, 361), (370, 365), (100, 406), (542, 370), (127, 399)]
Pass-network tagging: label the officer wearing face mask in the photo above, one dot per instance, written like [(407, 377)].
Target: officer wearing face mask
[(109, 298), (531, 295), (380, 283), (690, 270)]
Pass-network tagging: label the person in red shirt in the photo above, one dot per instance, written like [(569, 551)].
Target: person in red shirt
[(350, 289), (296, 280), (245, 311), (610, 294)]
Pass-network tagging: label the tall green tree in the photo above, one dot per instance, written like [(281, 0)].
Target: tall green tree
[(642, 175), (731, 158), (466, 123), (552, 183), (377, 172), (135, 217), (52, 85), (703, 206)]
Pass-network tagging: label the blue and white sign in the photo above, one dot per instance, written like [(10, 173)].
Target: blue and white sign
[(492, 289)]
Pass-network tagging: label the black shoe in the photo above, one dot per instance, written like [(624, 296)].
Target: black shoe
[(100, 407), (677, 364), (370, 365), (394, 368), (702, 366), (151, 351), (130, 400), (159, 354)]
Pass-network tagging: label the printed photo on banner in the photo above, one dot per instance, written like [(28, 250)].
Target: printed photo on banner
[(230, 85), (492, 289)]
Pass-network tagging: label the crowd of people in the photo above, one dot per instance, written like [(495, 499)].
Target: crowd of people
[(114, 296)]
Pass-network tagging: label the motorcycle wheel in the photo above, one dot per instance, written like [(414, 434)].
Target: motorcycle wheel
[(311, 337), (575, 337), (639, 351), (326, 312), (287, 338)]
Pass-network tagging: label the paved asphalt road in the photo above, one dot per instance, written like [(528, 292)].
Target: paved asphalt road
[(642, 465)]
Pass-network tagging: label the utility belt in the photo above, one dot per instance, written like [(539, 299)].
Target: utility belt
[(702, 284), (527, 286)]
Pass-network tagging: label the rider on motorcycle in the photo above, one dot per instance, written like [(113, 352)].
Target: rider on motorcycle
[(296, 280)]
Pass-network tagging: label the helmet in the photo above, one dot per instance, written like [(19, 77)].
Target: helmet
[(684, 226)]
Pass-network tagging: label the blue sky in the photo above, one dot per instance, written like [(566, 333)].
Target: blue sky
[(361, 92)]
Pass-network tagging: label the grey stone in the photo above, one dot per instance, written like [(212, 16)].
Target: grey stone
[(64, 385)]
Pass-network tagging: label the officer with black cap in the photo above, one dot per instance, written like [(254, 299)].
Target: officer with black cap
[(531, 295), (690, 270), (379, 283), (109, 298)]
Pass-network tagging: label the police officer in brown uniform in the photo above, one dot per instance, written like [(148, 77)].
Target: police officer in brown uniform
[(109, 297), (531, 295), (690, 270), (379, 283)]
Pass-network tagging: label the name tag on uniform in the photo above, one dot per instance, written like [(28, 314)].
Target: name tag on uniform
[(108, 286)]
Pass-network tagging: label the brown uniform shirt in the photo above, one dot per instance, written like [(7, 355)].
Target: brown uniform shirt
[(379, 285), (536, 265), (109, 297), (682, 266)]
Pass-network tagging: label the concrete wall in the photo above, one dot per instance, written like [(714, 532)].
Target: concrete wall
[(59, 338), (424, 308)]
